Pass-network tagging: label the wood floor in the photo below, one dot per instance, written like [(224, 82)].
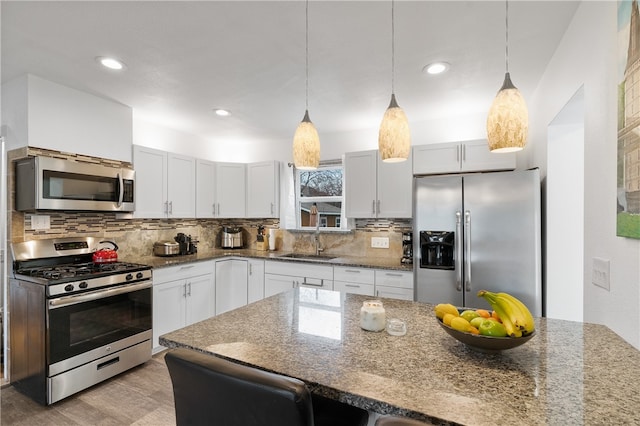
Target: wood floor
[(141, 396)]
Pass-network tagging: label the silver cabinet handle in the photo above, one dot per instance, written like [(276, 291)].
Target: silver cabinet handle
[(373, 207), (467, 250), (184, 290), (186, 267), (354, 271), (378, 206), (170, 207), (390, 274), (166, 207), (250, 269), (352, 285), (189, 292), (271, 208), (458, 153), (464, 153), (458, 255)]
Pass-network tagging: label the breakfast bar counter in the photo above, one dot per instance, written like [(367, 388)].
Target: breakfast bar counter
[(568, 373)]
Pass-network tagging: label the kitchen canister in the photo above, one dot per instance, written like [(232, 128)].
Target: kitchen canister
[(373, 316)]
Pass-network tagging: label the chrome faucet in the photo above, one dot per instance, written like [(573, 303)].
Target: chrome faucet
[(317, 236)]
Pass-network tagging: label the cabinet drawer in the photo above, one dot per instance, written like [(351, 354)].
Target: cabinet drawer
[(354, 275), (354, 288), (394, 279), (178, 272), (394, 292), (299, 269)]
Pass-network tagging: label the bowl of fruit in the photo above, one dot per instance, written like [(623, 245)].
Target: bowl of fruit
[(508, 325)]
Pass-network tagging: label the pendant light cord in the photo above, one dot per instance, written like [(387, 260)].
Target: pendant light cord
[(393, 47), (506, 36), (306, 102)]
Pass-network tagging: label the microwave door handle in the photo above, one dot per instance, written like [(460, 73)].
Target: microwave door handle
[(120, 189), (458, 255), (467, 250)]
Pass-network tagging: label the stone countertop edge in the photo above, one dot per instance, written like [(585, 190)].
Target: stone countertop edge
[(217, 254), (570, 373)]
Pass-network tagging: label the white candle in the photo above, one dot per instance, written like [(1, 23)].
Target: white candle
[(372, 316)]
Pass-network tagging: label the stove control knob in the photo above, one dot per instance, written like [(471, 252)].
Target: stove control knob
[(129, 277), (139, 275), (83, 284), (68, 287)]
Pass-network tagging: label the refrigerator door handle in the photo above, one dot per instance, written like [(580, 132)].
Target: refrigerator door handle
[(458, 259), (467, 250)]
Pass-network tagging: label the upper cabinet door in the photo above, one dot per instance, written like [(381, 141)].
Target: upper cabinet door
[(205, 189), (151, 182), (360, 184), (477, 157), (263, 184), (181, 183), (231, 189), (395, 189), (436, 158)]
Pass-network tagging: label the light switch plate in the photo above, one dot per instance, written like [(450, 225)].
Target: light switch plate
[(600, 273), (380, 242)]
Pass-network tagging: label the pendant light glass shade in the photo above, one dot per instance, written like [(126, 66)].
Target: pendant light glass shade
[(306, 145), (394, 139), (508, 120)]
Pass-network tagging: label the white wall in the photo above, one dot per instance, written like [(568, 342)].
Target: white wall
[(587, 56)]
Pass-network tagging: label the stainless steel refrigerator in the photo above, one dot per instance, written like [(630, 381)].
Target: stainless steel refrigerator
[(478, 231)]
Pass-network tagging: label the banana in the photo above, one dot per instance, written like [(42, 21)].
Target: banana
[(525, 320), (504, 311)]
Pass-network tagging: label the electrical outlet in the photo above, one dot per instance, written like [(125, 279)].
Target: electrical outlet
[(40, 221), (600, 273), (380, 242)]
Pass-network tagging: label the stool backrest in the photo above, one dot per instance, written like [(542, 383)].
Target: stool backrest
[(209, 390)]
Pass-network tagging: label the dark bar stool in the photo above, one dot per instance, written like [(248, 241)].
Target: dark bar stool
[(399, 421), (209, 390)]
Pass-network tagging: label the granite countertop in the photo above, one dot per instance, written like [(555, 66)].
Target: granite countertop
[(212, 254), (568, 373)]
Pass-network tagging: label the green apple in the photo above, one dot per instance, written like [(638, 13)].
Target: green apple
[(492, 328)]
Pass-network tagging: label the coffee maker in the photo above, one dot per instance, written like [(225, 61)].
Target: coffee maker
[(407, 248)]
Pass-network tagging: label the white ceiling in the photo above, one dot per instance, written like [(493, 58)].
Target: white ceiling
[(186, 58)]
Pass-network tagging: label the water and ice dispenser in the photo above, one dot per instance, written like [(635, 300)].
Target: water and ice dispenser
[(437, 249)]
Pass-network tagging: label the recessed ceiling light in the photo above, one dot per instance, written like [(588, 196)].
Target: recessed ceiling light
[(436, 68), (222, 112), (110, 63)]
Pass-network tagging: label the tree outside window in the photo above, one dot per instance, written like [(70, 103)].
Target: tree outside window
[(322, 187)]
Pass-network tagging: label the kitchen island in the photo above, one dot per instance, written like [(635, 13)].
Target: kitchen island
[(568, 373)]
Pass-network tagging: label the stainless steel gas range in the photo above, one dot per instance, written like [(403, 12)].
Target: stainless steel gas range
[(74, 323)]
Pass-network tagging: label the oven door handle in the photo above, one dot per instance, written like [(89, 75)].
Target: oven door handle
[(60, 302)]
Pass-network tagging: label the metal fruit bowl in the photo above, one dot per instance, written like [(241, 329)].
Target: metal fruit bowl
[(486, 344)]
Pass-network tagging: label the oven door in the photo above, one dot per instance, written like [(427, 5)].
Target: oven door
[(87, 326)]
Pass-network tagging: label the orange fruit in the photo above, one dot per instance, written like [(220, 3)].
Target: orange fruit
[(473, 330), (483, 313), (494, 314)]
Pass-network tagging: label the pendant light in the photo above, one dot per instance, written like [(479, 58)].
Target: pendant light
[(508, 119), (394, 138), (306, 142)]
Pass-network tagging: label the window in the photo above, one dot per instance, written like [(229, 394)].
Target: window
[(319, 197)]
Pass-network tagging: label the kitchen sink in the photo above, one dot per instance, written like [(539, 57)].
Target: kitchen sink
[(307, 257)]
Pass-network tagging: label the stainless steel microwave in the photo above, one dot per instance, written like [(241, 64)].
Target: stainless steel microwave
[(45, 183)]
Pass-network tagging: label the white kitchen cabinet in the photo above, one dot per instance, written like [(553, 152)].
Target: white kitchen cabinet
[(263, 189), (281, 276), (42, 114), (205, 189), (375, 189), (182, 295), (165, 184), (231, 284), (255, 280), (394, 284), (455, 157), (231, 190), (354, 280)]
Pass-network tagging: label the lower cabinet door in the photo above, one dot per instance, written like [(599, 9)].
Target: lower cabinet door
[(169, 305), (200, 298), (231, 285), (274, 284)]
